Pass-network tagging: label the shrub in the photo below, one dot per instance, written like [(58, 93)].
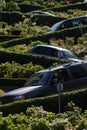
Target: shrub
[(13, 6), (15, 70)]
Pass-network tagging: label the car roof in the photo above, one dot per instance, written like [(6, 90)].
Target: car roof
[(50, 69), (60, 66), (41, 12), (53, 47), (85, 16)]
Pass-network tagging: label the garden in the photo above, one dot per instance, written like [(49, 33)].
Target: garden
[(19, 32)]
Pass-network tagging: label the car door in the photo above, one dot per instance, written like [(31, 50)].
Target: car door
[(65, 79), (79, 76), (61, 76)]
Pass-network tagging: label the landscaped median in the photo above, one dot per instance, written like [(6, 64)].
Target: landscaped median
[(49, 103)]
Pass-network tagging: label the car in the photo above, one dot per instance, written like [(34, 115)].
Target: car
[(54, 52), (70, 76), (68, 23), (39, 12), (85, 1)]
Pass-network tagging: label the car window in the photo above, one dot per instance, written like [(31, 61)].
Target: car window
[(78, 72), (42, 50), (76, 22), (84, 20), (37, 50), (62, 75), (69, 54), (38, 79), (54, 53), (46, 51), (66, 24), (49, 51)]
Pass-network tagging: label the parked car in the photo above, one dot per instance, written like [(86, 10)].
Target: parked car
[(68, 23), (46, 82), (39, 12), (54, 52)]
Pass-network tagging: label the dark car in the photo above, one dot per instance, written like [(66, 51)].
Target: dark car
[(54, 52), (69, 23), (45, 82)]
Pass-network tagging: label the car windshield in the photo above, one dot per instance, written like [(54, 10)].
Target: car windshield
[(69, 54), (55, 26), (38, 79)]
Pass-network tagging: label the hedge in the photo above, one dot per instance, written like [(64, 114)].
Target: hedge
[(7, 37), (27, 58), (65, 8), (11, 17), (49, 103), (10, 84), (71, 32), (29, 7), (44, 20)]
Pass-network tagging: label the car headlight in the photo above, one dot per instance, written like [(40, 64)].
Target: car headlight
[(19, 98)]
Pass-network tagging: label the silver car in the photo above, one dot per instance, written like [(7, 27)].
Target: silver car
[(68, 23), (54, 52)]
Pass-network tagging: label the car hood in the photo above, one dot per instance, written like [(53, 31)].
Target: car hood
[(21, 91)]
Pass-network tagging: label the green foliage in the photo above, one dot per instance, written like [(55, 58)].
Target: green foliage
[(50, 103), (1, 92), (36, 118), (24, 48), (2, 5), (73, 113), (3, 24), (13, 6), (15, 70)]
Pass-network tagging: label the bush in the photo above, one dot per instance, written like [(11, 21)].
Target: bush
[(78, 97), (36, 118)]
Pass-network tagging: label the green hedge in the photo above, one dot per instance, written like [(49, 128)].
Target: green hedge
[(65, 8), (49, 103), (7, 37), (27, 58), (27, 8), (11, 17), (10, 84), (45, 20), (72, 32)]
